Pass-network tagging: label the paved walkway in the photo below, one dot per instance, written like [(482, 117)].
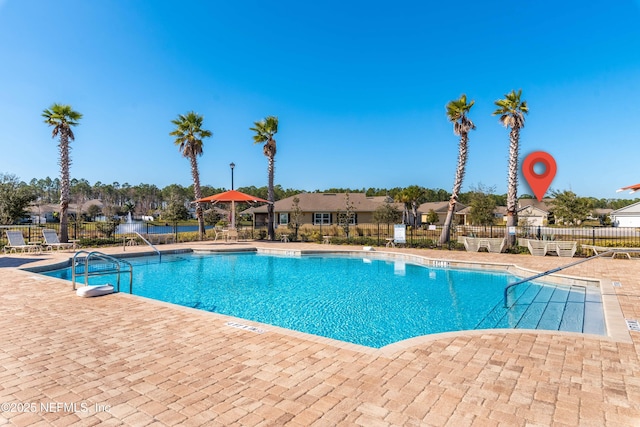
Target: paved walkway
[(126, 360)]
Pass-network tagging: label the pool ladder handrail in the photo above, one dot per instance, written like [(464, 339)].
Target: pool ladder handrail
[(150, 244), (95, 255), (612, 251)]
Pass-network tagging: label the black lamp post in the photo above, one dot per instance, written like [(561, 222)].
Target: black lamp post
[(232, 165)]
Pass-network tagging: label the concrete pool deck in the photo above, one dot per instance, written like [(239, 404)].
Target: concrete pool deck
[(127, 360)]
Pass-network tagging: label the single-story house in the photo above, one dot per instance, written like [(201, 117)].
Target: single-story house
[(600, 214), (441, 209), (532, 215), (322, 209), (529, 210), (629, 216), (42, 213), (499, 214)]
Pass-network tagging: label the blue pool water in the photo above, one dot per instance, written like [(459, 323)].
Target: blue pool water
[(364, 301)]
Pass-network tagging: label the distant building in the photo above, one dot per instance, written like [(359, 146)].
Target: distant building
[(441, 209), (629, 216), (322, 209)]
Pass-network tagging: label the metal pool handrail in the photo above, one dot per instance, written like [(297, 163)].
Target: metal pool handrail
[(152, 246), (95, 255), (612, 251)]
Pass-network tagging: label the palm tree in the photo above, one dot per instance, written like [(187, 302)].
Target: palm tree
[(416, 195), (457, 114), (265, 129), (511, 111), (63, 118), (405, 199), (189, 135)]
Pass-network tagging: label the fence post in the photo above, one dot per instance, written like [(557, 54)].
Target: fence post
[(593, 236)]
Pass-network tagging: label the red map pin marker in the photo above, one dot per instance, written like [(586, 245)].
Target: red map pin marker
[(539, 183)]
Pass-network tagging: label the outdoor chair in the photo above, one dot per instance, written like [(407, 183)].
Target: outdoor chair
[(566, 249), (52, 242), (537, 247), (17, 243), (219, 232), (471, 244), (496, 244), (232, 234)]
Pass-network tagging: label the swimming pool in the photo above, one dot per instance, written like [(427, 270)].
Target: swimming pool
[(366, 301)]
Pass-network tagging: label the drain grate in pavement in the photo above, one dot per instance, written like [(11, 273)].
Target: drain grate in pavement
[(248, 328), (633, 325)]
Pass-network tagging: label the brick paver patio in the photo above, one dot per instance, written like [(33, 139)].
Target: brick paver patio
[(126, 360)]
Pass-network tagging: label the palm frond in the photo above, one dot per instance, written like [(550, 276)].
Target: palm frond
[(511, 106), (265, 129), (457, 111), (189, 133)]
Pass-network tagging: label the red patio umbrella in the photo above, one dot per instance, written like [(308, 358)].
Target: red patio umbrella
[(232, 196), (631, 188)]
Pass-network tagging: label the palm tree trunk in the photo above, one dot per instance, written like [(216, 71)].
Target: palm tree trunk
[(64, 185), (271, 196), (198, 193), (457, 185), (512, 190)]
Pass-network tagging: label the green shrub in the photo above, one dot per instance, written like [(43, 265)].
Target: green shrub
[(99, 241)]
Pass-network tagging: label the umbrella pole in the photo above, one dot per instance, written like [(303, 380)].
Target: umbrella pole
[(233, 214)]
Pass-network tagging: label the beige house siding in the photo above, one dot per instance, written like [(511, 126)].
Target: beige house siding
[(441, 208), (316, 203)]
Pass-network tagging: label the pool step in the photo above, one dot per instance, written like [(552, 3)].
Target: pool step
[(559, 308)]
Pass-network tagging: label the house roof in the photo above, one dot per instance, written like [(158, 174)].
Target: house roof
[(532, 211), (44, 208), (499, 210), (439, 207), (631, 210), (327, 202), (544, 205), (602, 211)]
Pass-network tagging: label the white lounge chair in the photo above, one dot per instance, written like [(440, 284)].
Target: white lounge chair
[(17, 243), (52, 242), (537, 247), (496, 244), (566, 249), (471, 244)]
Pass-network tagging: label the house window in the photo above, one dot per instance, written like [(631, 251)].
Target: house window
[(351, 220), (283, 219), (321, 218)]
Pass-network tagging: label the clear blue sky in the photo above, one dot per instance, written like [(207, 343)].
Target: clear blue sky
[(360, 88)]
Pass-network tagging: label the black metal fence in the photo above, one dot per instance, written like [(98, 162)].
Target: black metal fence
[(429, 235), (95, 233)]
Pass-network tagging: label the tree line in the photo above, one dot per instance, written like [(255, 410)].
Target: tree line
[(149, 199)]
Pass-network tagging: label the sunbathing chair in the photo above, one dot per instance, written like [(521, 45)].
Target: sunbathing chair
[(52, 242), (471, 244), (537, 247), (496, 244), (566, 249), (17, 243)]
